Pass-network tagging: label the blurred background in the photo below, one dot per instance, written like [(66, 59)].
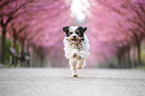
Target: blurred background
[(31, 32)]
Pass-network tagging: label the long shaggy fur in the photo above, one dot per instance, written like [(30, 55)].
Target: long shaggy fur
[(76, 51)]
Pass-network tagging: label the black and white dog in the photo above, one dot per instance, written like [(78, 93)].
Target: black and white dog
[(76, 47)]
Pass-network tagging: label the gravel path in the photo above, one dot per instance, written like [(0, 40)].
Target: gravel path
[(57, 82)]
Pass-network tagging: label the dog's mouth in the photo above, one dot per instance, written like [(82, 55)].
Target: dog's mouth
[(74, 39)]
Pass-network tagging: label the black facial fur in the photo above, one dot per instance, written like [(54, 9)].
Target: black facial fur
[(80, 31), (65, 29)]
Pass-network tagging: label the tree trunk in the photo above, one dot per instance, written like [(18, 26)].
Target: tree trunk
[(138, 53), (0, 47), (27, 48), (3, 45), (42, 60), (14, 42), (134, 57), (20, 54), (119, 61), (128, 59), (124, 61)]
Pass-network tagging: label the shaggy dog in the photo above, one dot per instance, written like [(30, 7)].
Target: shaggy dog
[(76, 47)]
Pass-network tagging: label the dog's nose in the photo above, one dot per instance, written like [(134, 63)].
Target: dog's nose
[(74, 36)]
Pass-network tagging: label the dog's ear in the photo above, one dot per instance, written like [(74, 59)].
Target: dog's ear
[(65, 29), (84, 29)]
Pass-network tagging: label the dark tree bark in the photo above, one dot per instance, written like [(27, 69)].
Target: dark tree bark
[(3, 45), (124, 61), (42, 60), (14, 39), (134, 57), (138, 53), (119, 61), (4, 25), (128, 59)]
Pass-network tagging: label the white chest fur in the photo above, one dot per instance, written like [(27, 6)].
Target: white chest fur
[(81, 48)]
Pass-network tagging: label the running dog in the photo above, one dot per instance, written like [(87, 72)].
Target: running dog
[(76, 47)]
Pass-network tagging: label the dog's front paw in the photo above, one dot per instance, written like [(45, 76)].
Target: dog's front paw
[(74, 75), (79, 66)]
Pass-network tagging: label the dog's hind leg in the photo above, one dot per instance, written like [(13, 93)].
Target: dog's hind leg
[(73, 64)]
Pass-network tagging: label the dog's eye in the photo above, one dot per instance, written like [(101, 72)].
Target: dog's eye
[(70, 32), (77, 32)]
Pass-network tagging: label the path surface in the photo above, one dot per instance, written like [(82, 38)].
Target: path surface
[(56, 82)]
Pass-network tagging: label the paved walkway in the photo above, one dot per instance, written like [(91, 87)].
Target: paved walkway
[(57, 82)]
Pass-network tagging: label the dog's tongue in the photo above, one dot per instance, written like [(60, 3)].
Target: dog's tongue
[(75, 39)]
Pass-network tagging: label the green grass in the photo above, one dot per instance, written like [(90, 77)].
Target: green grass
[(141, 67)]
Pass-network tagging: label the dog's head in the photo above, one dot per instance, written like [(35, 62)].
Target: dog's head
[(74, 33)]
